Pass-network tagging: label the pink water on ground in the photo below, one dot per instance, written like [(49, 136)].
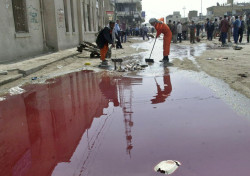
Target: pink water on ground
[(90, 124)]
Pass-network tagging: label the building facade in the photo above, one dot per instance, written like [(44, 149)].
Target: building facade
[(228, 9), (129, 12), (32, 27), (175, 17)]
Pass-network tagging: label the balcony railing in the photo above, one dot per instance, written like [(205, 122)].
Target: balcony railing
[(127, 1), (134, 14)]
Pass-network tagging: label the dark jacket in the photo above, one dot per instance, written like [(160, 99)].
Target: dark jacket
[(105, 36), (242, 25), (248, 24), (224, 25), (209, 27)]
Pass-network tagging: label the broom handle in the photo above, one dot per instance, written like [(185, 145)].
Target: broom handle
[(152, 48)]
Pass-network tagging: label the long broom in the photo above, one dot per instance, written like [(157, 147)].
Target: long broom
[(151, 60)]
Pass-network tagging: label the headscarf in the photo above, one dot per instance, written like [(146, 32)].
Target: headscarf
[(153, 20)]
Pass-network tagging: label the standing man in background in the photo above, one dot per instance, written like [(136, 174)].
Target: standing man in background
[(124, 33), (236, 26), (248, 28), (229, 33), (179, 31), (171, 26), (174, 32), (192, 32), (145, 32), (118, 35), (224, 27), (241, 29), (216, 28)]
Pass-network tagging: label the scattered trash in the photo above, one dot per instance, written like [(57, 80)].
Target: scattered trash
[(16, 90), (133, 67), (87, 63), (237, 48), (59, 66), (167, 167), (242, 75), (34, 78), (219, 59), (2, 98)]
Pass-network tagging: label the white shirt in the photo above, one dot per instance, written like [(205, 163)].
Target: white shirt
[(179, 28)]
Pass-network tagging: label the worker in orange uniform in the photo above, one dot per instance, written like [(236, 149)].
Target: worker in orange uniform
[(105, 38), (163, 28)]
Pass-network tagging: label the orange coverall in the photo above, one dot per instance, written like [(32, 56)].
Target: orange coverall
[(163, 28), (104, 50)]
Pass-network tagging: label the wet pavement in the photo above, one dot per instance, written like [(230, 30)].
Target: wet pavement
[(92, 124)]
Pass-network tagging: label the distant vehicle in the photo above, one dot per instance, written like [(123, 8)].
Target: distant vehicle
[(148, 25)]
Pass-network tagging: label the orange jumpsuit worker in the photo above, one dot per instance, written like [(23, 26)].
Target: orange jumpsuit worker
[(103, 39), (163, 28)]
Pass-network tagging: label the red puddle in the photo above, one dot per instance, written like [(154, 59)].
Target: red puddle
[(69, 127)]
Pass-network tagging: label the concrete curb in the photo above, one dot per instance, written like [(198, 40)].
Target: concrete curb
[(25, 71), (30, 70), (10, 78)]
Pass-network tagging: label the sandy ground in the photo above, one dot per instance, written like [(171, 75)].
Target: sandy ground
[(232, 66), (235, 70)]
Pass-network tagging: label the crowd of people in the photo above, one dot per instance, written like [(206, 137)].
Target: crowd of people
[(223, 28)]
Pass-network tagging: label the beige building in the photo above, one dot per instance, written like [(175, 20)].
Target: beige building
[(228, 9), (32, 27), (175, 17)]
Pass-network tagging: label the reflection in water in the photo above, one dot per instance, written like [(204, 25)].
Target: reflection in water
[(126, 94), (75, 126), (163, 94), (43, 126)]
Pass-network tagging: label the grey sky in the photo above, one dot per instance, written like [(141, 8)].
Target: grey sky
[(162, 8)]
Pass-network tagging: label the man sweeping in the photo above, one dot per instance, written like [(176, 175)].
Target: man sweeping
[(163, 28), (103, 39)]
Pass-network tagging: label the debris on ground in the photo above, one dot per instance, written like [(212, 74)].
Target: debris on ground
[(16, 90), (134, 66), (2, 98), (3, 72), (87, 63), (167, 167), (219, 59), (237, 48), (34, 78), (59, 66), (243, 75)]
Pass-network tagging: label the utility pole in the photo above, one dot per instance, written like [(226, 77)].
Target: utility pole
[(201, 7), (184, 8), (201, 10)]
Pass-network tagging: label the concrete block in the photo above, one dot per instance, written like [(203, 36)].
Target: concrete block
[(9, 78)]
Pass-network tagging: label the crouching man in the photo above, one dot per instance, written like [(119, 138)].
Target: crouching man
[(103, 40)]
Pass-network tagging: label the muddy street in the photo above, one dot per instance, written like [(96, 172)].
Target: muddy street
[(92, 123)]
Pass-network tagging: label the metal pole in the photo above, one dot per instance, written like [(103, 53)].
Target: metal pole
[(201, 7)]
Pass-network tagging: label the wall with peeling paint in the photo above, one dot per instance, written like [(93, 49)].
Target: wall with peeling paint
[(52, 26), (14, 45)]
